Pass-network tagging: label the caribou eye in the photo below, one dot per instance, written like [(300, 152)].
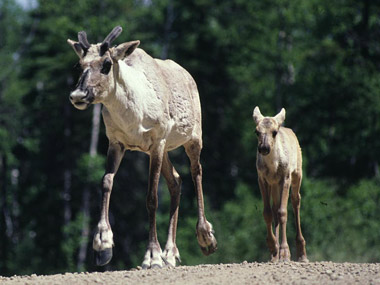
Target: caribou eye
[(274, 133), (257, 132), (106, 66)]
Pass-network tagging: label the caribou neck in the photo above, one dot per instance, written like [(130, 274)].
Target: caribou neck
[(130, 102), (119, 93)]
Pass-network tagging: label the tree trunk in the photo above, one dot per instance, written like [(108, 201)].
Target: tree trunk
[(363, 29), (167, 30), (82, 255), (4, 218), (67, 171)]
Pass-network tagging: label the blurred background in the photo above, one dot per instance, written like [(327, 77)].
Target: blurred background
[(320, 59)]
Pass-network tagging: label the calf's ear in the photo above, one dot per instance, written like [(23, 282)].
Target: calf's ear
[(257, 117), (76, 47), (124, 50), (280, 117)]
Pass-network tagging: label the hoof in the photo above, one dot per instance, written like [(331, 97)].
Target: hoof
[(284, 254), (153, 257), (103, 257), (153, 266), (177, 261), (170, 257), (206, 239), (303, 259), (156, 266), (209, 249), (274, 259)]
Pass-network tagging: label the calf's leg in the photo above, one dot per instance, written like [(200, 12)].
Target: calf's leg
[(103, 238), (268, 217), (276, 200), (205, 232), (284, 254), (296, 203), (173, 180)]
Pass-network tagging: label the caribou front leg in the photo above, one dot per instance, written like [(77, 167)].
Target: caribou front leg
[(284, 253), (103, 239), (205, 232), (268, 217), (152, 258)]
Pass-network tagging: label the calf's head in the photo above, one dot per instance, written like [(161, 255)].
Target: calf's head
[(267, 129), (98, 66)]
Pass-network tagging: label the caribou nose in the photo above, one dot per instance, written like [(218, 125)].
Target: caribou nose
[(264, 150), (79, 100), (77, 95)]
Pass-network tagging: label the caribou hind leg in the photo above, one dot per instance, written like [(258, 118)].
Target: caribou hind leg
[(205, 232), (173, 180), (103, 238), (153, 255)]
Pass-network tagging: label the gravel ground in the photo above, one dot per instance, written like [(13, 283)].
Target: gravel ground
[(243, 273)]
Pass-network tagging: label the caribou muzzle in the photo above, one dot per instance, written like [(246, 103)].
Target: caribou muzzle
[(264, 149), (80, 99), (264, 146), (82, 96)]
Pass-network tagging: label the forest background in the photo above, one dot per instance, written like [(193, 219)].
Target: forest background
[(319, 59)]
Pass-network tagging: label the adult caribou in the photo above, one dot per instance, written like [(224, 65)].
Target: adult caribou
[(149, 105)]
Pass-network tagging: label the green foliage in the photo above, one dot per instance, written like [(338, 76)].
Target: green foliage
[(72, 242), (241, 227), (26, 255), (320, 218), (360, 223), (90, 168), (341, 227)]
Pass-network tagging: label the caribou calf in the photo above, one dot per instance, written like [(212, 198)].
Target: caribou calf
[(279, 166), (149, 105)]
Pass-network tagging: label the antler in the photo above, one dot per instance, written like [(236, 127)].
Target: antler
[(82, 37), (109, 39)]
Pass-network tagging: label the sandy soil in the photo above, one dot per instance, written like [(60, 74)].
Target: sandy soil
[(243, 273)]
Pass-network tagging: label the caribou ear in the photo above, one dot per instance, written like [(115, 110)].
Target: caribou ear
[(280, 117), (257, 117), (76, 47), (124, 50)]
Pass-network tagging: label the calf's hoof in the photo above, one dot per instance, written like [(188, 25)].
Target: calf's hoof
[(274, 258), (284, 253), (303, 258), (103, 257)]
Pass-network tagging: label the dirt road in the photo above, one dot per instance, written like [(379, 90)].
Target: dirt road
[(243, 273)]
